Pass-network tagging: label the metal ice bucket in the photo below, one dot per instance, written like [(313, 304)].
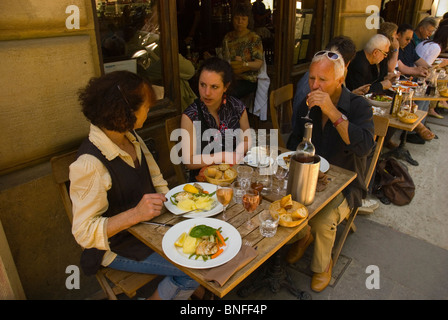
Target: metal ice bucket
[(302, 180)]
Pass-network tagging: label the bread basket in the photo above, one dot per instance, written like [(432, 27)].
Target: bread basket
[(408, 118), (228, 174), (289, 217)]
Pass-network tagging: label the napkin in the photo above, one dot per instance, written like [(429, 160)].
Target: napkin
[(223, 272)]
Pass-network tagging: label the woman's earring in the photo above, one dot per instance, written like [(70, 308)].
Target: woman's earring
[(224, 98)]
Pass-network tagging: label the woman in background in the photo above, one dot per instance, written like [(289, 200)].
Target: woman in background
[(215, 109)]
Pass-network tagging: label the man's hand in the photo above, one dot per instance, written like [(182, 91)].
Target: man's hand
[(322, 100)]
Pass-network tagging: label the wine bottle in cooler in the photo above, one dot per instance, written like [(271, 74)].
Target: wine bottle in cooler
[(305, 150)]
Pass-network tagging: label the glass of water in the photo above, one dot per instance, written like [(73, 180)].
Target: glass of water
[(239, 189), (268, 223)]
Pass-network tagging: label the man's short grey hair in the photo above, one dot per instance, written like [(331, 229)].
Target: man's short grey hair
[(339, 64), (378, 41), (427, 21)]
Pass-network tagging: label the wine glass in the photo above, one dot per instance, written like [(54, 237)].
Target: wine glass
[(251, 200), (307, 117), (224, 193), (280, 174)]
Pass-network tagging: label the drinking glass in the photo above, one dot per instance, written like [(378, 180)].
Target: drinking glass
[(224, 193), (280, 174), (268, 223), (245, 175), (239, 190), (251, 200)]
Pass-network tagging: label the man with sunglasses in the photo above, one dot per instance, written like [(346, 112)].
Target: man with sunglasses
[(343, 134), (370, 66)]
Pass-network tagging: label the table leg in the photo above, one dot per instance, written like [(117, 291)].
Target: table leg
[(275, 276), (401, 152)]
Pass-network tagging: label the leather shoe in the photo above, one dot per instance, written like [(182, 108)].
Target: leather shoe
[(298, 249), (321, 280)]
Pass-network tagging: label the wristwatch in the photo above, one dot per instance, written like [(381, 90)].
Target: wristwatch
[(337, 122)]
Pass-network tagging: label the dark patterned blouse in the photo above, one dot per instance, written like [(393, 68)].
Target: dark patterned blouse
[(229, 116)]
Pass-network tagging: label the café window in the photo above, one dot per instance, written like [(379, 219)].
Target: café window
[(129, 37), (302, 33)]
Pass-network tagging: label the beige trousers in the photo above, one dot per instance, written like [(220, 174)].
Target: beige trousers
[(323, 227)]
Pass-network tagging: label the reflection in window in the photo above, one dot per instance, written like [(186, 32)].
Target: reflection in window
[(129, 37)]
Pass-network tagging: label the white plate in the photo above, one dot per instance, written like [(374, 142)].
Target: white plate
[(324, 165), (201, 214), (252, 161), (281, 162), (175, 254)]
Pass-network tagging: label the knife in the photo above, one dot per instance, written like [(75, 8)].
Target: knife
[(157, 223)]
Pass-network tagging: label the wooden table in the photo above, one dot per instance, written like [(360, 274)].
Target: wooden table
[(266, 247), (436, 97), (401, 152)]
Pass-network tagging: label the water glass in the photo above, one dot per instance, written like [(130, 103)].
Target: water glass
[(268, 223), (239, 189), (245, 176)]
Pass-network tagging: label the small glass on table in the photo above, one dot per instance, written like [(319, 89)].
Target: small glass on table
[(224, 193), (268, 223), (239, 189), (251, 200)]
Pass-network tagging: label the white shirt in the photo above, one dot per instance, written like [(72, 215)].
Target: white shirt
[(429, 51)]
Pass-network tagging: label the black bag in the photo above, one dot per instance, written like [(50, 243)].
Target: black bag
[(394, 181)]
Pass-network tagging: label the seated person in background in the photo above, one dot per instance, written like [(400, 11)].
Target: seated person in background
[(115, 184), (244, 49), (214, 110), (389, 29), (429, 50), (343, 134), (346, 47), (409, 62), (370, 67), (425, 29)]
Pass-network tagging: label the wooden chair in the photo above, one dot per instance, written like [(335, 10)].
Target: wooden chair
[(280, 100), (170, 125), (123, 282), (381, 125)]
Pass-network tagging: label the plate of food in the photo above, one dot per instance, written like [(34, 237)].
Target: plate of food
[(408, 83), (379, 100), (198, 196), (403, 89), (201, 243), (284, 159)]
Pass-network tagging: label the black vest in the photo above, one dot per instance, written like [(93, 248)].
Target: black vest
[(128, 187)]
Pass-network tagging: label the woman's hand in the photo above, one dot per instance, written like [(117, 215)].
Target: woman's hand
[(150, 206)]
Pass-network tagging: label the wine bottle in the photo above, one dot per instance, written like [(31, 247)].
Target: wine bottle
[(305, 150)]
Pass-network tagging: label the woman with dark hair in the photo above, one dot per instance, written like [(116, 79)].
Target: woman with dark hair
[(429, 50), (244, 49), (115, 183), (221, 113)]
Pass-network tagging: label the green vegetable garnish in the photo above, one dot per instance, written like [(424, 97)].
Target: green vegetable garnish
[(202, 231)]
